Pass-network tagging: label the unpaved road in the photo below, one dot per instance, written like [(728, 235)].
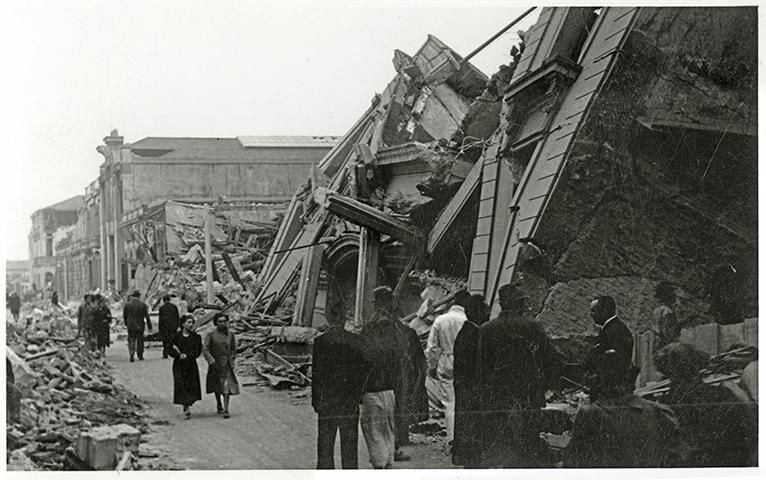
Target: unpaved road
[(267, 430)]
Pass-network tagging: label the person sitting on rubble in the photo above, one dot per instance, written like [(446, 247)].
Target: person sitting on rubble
[(339, 371), (220, 351), (619, 429), (185, 346), (718, 422)]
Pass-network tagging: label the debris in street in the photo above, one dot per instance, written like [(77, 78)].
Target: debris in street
[(66, 391)]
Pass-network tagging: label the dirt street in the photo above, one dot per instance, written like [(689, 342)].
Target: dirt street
[(267, 430)]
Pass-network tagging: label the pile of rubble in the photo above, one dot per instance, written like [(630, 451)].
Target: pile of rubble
[(60, 392)]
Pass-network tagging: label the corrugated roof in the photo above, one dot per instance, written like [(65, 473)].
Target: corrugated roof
[(221, 148), (249, 141)]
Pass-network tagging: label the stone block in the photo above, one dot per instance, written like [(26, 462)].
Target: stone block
[(687, 336), (706, 338), (729, 334), (750, 331), (128, 438), (98, 449)]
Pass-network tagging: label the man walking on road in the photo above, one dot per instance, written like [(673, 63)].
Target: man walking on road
[(134, 314), (168, 324), (440, 353), (337, 384)]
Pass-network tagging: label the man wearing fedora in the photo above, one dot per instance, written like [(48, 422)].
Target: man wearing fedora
[(136, 317)]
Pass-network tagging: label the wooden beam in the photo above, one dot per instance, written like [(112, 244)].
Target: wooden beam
[(366, 274), (307, 286), (365, 215), (455, 205), (208, 257)]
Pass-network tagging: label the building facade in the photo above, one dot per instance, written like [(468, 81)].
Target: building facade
[(45, 223), (146, 173)]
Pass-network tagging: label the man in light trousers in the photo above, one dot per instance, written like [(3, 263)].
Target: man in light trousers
[(439, 353)]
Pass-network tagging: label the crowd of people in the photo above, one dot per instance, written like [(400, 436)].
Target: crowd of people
[(184, 345), (94, 320), (495, 375)]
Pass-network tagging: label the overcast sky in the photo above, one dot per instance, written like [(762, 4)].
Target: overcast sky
[(74, 70)]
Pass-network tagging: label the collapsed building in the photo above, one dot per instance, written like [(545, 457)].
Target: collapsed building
[(616, 151)]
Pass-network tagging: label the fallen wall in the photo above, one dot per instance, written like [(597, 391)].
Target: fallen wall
[(674, 200)]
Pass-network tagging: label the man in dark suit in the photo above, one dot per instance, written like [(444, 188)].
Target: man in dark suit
[(168, 324), (614, 339), (136, 317), (338, 375), (516, 366)]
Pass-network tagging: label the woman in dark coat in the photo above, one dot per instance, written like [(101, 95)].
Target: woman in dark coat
[(219, 349), (467, 445), (102, 319), (185, 347)]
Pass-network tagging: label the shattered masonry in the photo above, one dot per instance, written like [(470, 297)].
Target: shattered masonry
[(617, 150)]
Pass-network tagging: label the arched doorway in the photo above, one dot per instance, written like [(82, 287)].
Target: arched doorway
[(340, 264)]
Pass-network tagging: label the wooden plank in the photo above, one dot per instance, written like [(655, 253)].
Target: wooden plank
[(365, 215), (366, 274), (291, 260), (453, 208), (307, 286), (286, 234)]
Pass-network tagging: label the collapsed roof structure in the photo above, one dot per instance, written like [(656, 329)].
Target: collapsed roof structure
[(617, 150)]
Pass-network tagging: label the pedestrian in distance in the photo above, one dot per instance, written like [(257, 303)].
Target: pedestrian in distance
[(55, 300), (84, 321), (136, 317), (220, 350), (440, 354), (382, 353), (100, 324), (185, 346), (338, 376), (14, 304), (168, 324)]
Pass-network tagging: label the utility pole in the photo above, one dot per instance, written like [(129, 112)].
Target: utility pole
[(209, 256)]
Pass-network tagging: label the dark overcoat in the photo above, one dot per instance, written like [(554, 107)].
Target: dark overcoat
[(186, 383)]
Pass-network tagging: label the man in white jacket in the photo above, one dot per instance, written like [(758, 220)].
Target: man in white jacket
[(439, 353)]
